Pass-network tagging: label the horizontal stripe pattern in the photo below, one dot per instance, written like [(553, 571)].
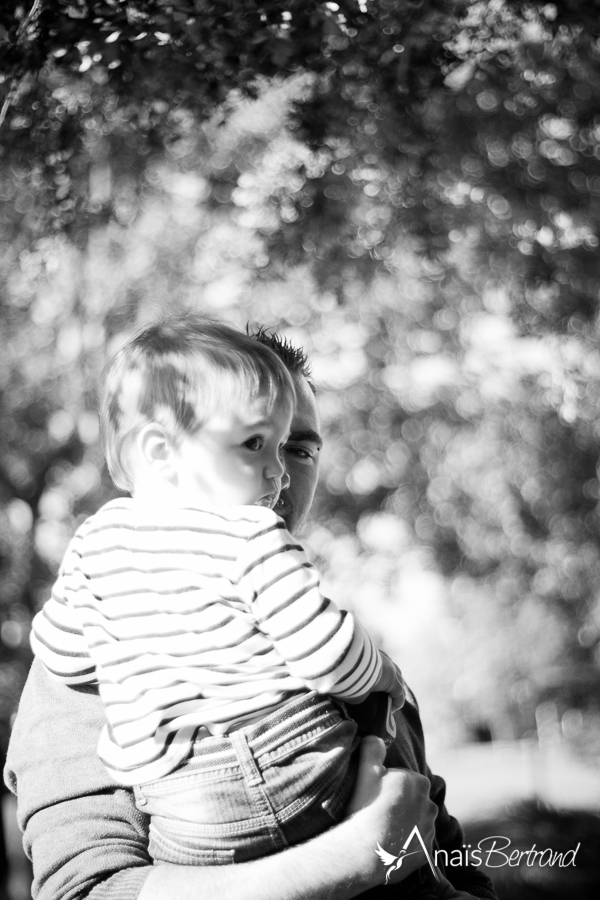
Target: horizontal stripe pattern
[(189, 618)]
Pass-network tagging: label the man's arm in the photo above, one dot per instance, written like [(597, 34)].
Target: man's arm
[(466, 879), (87, 839), (409, 750), (337, 865)]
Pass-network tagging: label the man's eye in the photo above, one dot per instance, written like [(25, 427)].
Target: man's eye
[(300, 452), (254, 443)]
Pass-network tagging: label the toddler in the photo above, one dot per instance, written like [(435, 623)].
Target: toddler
[(222, 669)]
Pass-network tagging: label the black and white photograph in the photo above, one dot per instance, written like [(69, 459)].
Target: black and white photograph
[(300, 449)]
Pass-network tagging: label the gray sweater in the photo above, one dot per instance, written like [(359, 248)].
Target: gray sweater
[(83, 832)]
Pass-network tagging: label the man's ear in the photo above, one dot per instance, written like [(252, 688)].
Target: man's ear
[(155, 448)]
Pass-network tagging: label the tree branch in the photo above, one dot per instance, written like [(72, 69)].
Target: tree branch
[(14, 87)]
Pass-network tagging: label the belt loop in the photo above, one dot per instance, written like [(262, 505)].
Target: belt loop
[(248, 765)]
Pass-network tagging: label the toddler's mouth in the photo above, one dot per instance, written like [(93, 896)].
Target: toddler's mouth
[(269, 501)]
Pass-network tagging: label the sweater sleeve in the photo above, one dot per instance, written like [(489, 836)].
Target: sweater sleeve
[(450, 837), (322, 645), (83, 833), (57, 638)]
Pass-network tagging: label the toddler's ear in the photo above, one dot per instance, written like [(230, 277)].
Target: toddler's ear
[(155, 450)]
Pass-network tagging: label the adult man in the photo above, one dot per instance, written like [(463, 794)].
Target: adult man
[(87, 839)]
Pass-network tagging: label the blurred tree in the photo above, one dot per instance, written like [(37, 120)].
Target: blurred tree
[(269, 160), (483, 442), (425, 118)]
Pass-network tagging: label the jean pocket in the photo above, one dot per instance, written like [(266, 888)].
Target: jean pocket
[(336, 801), (184, 851), (334, 807)]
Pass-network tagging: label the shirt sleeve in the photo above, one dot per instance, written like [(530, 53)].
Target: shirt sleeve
[(322, 645), (57, 638)]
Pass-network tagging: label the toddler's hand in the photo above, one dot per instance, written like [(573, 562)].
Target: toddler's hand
[(391, 682)]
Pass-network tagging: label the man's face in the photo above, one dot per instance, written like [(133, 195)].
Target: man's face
[(301, 458)]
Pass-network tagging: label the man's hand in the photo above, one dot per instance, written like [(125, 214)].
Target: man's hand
[(387, 804)]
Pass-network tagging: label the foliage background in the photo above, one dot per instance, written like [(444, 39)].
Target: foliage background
[(411, 191)]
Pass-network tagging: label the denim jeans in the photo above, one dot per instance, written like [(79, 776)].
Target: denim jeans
[(260, 789)]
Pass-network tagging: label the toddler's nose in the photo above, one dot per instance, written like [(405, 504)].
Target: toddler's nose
[(275, 469)]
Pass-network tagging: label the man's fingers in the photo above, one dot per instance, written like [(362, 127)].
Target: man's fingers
[(370, 773), (372, 751)]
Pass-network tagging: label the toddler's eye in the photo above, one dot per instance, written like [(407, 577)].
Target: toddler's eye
[(254, 443)]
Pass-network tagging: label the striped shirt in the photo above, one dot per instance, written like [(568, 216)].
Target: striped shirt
[(189, 618)]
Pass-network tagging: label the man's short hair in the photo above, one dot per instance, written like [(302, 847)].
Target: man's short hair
[(294, 358), (178, 372)]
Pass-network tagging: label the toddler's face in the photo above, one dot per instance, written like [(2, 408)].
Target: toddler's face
[(236, 457)]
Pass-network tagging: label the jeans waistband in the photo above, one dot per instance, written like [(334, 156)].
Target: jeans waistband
[(308, 713)]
